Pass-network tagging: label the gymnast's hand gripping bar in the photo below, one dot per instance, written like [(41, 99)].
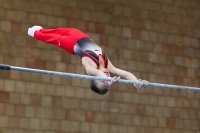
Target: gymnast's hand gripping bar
[(8, 67)]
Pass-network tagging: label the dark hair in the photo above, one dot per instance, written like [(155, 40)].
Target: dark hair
[(96, 89)]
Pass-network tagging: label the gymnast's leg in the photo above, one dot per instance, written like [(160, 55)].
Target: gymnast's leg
[(60, 37)]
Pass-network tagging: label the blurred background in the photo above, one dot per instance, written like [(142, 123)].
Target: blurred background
[(157, 40)]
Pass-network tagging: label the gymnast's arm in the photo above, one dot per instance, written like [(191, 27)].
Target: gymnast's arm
[(127, 75), (119, 72), (91, 70)]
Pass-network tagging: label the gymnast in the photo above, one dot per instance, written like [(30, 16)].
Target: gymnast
[(93, 58)]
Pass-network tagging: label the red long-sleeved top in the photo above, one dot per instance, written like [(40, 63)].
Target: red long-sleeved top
[(64, 38)]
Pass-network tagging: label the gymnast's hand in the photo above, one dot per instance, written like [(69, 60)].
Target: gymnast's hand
[(115, 80), (143, 84)]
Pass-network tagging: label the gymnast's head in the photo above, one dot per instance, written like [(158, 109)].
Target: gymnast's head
[(101, 87)]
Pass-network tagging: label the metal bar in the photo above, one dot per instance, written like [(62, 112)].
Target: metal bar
[(7, 67)]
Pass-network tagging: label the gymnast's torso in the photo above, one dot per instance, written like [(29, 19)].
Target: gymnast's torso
[(76, 42), (87, 48)]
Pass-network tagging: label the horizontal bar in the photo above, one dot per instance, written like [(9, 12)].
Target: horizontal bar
[(6, 67)]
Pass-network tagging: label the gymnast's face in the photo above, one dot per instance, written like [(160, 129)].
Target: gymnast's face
[(103, 84)]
